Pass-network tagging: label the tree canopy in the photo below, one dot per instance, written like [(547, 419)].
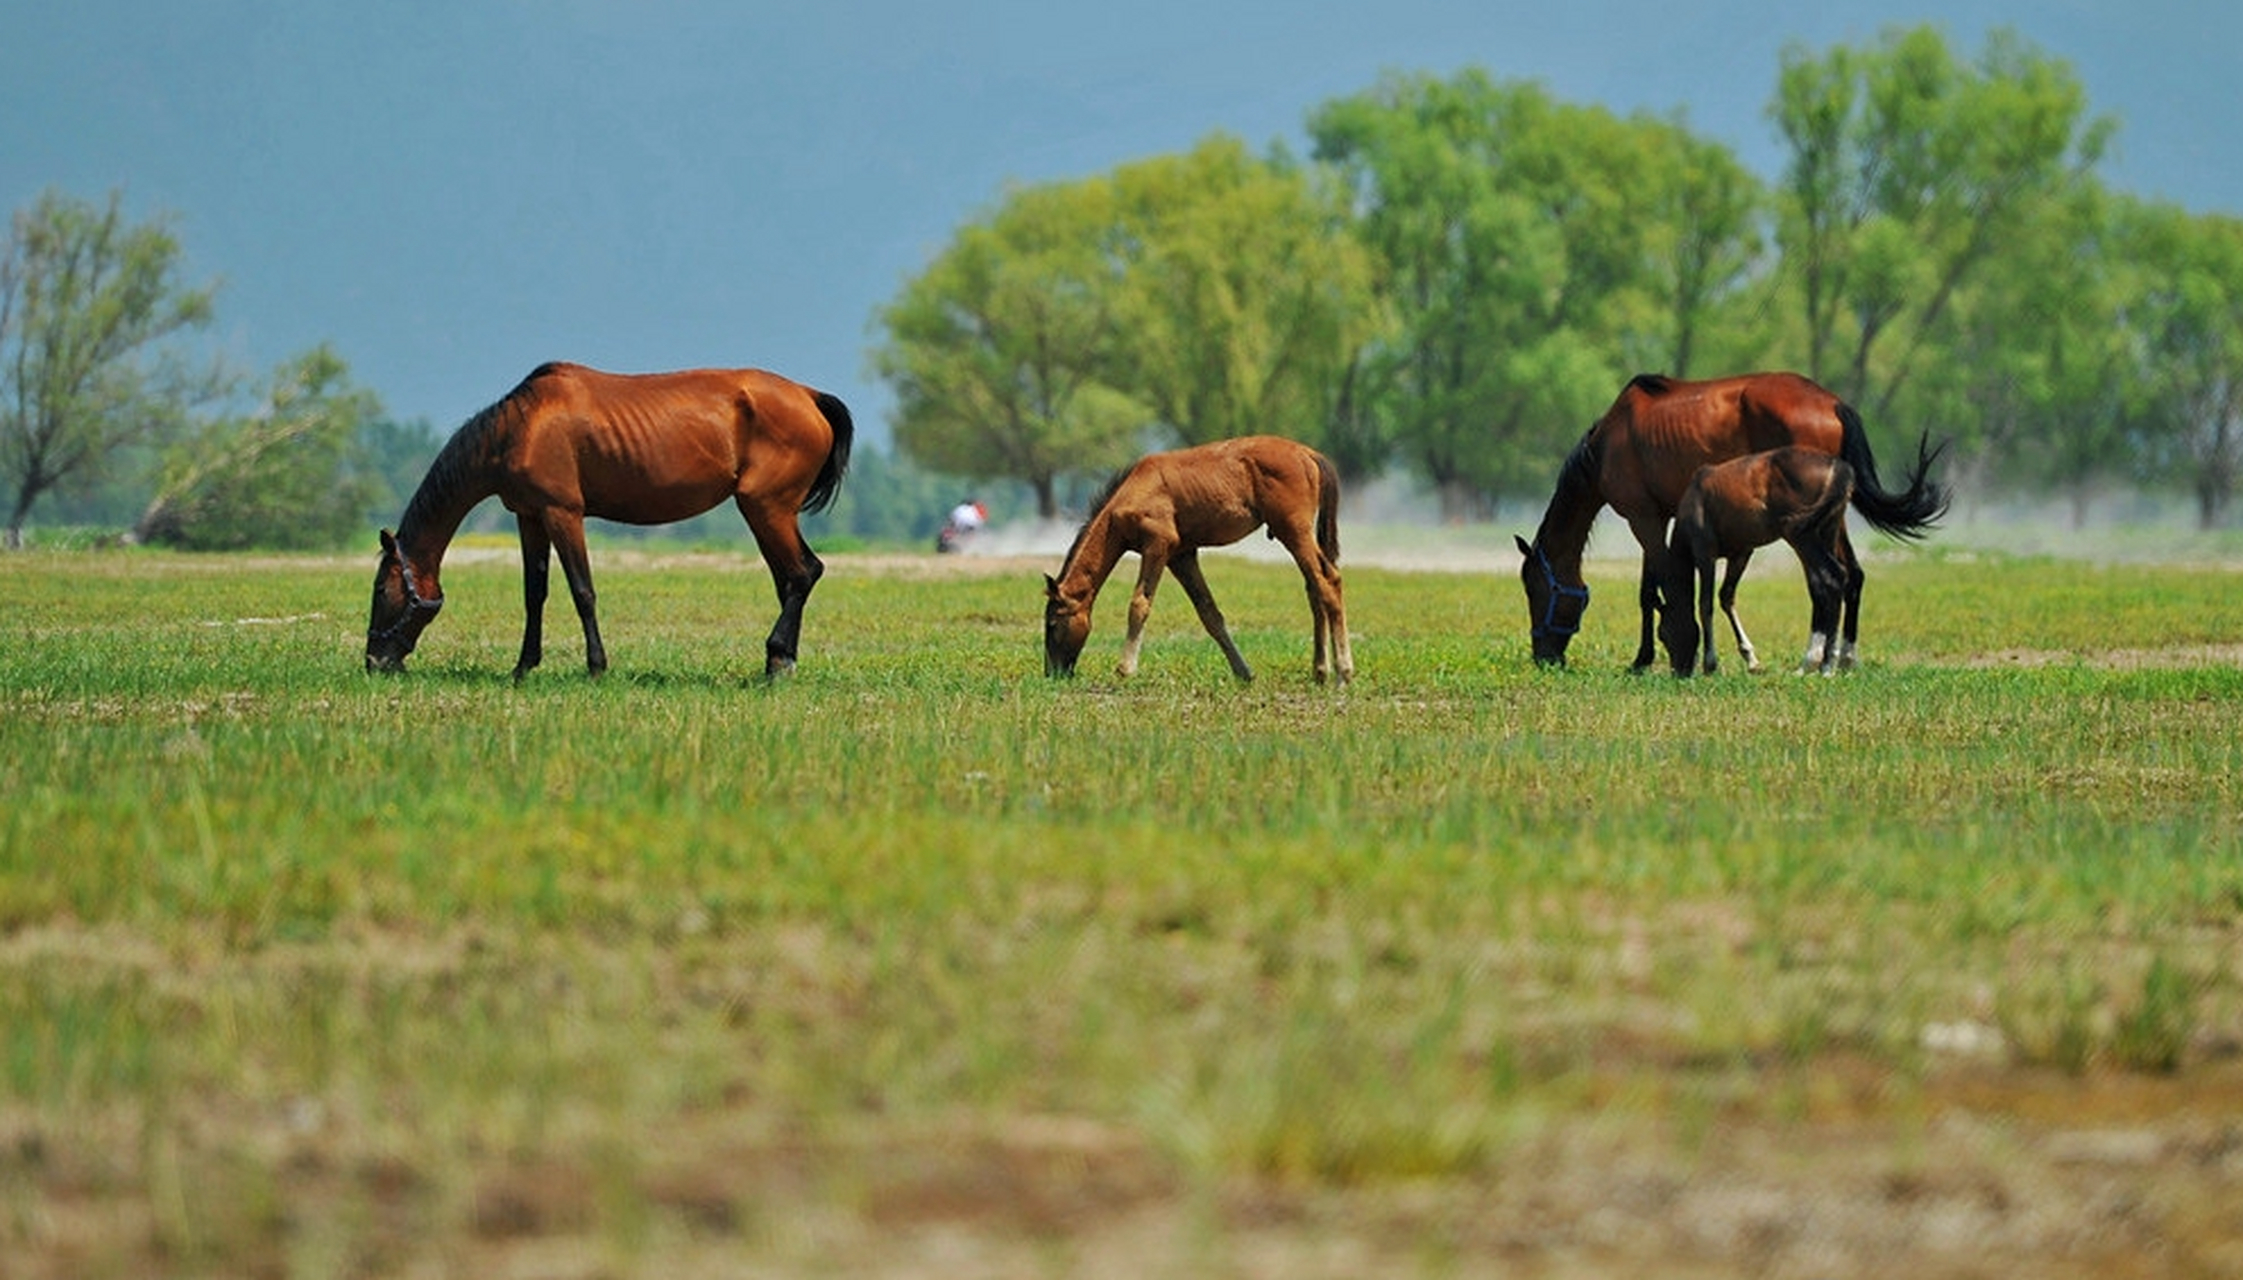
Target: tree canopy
[(1465, 270), (87, 302)]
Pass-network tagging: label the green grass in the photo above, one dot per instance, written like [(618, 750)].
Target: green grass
[(273, 933)]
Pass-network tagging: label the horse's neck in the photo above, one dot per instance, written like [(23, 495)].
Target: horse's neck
[(456, 482), (1564, 534), (1092, 561)]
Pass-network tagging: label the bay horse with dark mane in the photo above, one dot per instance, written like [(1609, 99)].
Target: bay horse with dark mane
[(1640, 456), (1793, 495), (572, 442), (1168, 506)]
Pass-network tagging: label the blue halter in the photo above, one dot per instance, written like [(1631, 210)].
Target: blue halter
[(1550, 625)]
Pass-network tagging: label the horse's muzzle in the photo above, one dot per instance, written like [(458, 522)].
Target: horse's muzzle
[(384, 664)]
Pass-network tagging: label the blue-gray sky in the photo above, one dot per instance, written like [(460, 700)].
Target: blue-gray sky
[(453, 191)]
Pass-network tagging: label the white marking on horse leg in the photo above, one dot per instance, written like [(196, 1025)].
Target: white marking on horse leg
[(1847, 660), (1818, 645)]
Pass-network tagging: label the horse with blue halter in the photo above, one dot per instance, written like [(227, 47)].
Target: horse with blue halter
[(1640, 456), (571, 442)]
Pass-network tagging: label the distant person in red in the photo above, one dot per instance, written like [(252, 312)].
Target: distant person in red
[(963, 522)]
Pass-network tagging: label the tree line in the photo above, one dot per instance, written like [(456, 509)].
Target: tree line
[(1462, 271), (1451, 283), (93, 390)]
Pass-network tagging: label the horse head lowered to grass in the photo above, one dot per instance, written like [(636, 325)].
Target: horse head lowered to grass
[(1640, 456), (1168, 506), (572, 442)]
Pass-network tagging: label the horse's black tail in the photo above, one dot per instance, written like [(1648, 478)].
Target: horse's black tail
[(1328, 508), (1909, 513), (828, 482)]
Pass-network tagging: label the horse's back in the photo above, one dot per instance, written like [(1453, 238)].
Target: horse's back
[(1214, 494), (650, 448), (1661, 430), (1755, 499)]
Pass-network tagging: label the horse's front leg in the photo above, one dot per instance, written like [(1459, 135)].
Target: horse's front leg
[(1651, 535), (1734, 574), (1186, 565), (1141, 608), (566, 530), (537, 562)]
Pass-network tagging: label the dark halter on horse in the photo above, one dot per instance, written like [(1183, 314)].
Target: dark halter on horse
[(416, 604), (1559, 591)]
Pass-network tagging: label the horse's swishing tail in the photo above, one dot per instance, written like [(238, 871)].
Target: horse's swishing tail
[(1909, 513)]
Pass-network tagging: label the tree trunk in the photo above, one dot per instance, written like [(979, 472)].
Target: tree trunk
[(26, 494)]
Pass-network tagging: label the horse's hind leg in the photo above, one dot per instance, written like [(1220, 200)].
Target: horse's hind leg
[(565, 529), (1327, 606), (537, 562), (1847, 660), (1328, 602), (1701, 574), (1729, 580), (1141, 608), (1186, 566), (795, 570), (1826, 592)]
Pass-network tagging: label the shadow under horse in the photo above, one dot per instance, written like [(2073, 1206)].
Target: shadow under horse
[(571, 442), (1731, 509), (1640, 456), (1169, 505)]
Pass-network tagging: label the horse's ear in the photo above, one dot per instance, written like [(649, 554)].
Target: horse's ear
[(1051, 587), (389, 542), (1524, 549)]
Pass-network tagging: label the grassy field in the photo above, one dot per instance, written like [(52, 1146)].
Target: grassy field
[(919, 964)]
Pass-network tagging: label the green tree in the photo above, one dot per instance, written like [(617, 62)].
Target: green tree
[(86, 304), (1527, 250), (1242, 297), (399, 454), (2077, 379), (999, 352), (1706, 242), (1908, 171), (2187, 318), (294, 473)]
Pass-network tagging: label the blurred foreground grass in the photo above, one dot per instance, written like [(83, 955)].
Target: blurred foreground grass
[(303, 972)]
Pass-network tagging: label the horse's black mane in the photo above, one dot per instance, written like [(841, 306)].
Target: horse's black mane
[(1657, 384), (1578, 475), (465, 454), (1097, 504), (1579, 470)]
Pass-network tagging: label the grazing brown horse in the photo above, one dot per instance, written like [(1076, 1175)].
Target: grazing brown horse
[(1641, 455), (1732, 508), (1168, 506), (571, 442)]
